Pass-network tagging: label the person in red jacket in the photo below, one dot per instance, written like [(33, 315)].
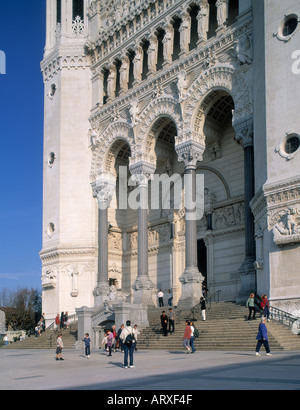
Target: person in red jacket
[(187, 336), (265, 307)]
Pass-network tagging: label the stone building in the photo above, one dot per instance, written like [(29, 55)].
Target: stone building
[(139, 88)]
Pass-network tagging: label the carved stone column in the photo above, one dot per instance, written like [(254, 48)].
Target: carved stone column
[(103, 190), (143, 286), (190, 152), (244, 135)]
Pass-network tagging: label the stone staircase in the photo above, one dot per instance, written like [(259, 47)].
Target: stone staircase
[(226, 328), (47, 340)]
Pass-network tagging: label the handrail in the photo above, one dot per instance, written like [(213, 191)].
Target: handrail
[(197, 307), (283, 316)]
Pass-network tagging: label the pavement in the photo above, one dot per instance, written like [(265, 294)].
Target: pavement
[(155, 371)]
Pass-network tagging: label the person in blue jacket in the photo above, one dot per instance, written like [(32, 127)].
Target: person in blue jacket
[(262, 338)]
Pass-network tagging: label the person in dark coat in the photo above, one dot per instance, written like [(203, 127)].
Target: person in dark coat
[(262, 338), (164, 323)]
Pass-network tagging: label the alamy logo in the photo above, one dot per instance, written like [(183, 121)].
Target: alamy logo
[(166, 192), (2, 62), (296, 64)]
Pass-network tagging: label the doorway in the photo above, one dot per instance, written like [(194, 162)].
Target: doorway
[(202, 258)]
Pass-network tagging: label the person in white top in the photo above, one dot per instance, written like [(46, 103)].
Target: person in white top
[(192, 337), (160, 298)]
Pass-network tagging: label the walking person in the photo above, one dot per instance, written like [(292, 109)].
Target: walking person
[(262, 338), (192, 337), (110, 338), (59, 347), (265, 307), (160, 298), (250, 305), (164, 323), (128, 340), (203, 308), (170, 298), (171, 321), (87, 345), (187, 336), (5, 339)]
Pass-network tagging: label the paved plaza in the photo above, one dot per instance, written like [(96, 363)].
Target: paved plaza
[(154, 370)]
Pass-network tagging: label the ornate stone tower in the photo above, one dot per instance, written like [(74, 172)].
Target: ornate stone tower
[(69, 219)]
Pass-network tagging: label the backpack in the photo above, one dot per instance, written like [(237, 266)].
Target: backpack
[(196, 332), (129, 340)]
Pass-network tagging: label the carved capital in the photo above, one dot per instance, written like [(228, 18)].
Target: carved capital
[(190, 153), (103, 189), (244, 131)]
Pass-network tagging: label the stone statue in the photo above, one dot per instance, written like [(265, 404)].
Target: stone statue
[(133, 111), (138, 64), (124, 73), (168, 43), (203, 20), (185, 33), (181, 84), (222, 12), (152, 53), (111, 83)]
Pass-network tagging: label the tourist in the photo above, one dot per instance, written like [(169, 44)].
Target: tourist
[(262, 338), (250, 306), (265, 307), (104, 341), (160, 298), (62, 320), (192, 337), (119, 340), (136, 333), (43, 322), (170, 298), (187, 336), (110, 337), (114, 341), (203, 308), (87, 345), (171, 321), (57, 321), (5, 339), (164, 323), (59, 347), (128, 340), (66, 320)]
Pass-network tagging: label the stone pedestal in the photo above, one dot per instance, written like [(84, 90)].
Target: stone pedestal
[(84, 323)]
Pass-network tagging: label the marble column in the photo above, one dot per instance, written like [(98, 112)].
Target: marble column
[(143, 285), (191, 279), (103, 190), (244, 135)]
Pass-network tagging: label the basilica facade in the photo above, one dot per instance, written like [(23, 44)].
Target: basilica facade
[(140, 89)]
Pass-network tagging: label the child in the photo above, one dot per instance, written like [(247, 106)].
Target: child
[(87, 343), (110, 337), (59, 347)]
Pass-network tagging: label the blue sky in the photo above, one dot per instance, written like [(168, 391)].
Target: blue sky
[(22, 38)]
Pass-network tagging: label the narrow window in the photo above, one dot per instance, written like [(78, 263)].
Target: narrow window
[(58, 11), (78, 9)]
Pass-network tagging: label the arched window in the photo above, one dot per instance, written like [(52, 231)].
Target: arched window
[(78, 9)]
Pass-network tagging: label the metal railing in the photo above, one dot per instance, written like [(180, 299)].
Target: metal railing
[(283, 317)]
